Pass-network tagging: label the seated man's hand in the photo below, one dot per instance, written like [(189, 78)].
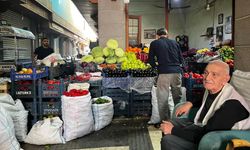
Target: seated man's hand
[(183, 109), (166, 127)]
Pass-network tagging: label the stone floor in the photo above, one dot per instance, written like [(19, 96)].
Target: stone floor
[(121, 134)]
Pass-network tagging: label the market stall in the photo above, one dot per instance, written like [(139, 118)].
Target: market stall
[(15, 34)]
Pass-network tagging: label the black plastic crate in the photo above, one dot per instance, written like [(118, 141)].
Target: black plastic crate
[(196, 67), (24, 89), (141, 108), (55, 72), (135, 96), (52, 90), (121, 100), (95, 83), (191, 83), (95, 91), (51, 107)]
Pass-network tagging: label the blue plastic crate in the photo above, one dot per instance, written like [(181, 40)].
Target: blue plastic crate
[(32, 76)]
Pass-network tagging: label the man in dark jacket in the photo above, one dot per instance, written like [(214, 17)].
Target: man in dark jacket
[(44, 50), (169, 60), (222, 109)]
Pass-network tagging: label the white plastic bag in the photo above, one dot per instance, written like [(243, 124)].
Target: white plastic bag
[(78, 86), (155, 117), (103, 113), (18, 114), (8, 140), (47, 131), (77, 116)]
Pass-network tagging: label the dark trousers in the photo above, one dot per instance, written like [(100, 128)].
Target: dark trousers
[(172, 142)]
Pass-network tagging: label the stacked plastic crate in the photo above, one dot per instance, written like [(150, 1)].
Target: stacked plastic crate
[(24, 87), (49, 93)]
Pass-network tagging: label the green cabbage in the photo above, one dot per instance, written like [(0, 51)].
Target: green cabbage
[(97, 52), (112, 43), (106, 51), (119, 52), (87, 58), (111, 52), (110, 60), (122, 59), (99, 60)]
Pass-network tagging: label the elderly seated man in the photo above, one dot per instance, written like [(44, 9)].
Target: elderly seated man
[(223, 108)]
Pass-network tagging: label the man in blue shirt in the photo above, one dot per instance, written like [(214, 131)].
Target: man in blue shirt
[(169, 60)]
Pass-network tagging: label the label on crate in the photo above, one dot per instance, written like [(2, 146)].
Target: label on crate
[(23, 92), (23, 76), (50, 93), (51, 111)]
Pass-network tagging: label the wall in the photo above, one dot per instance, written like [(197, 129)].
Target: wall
[(152, 14), (193, 21), (241, 35), (111, 22), (198, 19)]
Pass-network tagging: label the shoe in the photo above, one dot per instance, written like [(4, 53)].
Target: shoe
[(157, 125)]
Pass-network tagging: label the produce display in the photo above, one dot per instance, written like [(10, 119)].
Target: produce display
[(227, 55), (100, 101), (74, 93)]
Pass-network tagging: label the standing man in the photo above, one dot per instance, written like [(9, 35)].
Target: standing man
[(44, 50), (169, 60)]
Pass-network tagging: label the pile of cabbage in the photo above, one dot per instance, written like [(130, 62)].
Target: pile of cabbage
[(110, 54)]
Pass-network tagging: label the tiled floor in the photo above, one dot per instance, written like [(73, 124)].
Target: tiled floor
[(132, 133)]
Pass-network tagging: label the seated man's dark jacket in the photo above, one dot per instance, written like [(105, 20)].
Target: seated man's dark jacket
[(169, 56), (231, 112)]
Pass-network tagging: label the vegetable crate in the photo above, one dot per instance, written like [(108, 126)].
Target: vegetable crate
[(24, 89), (51, 107), (54, 89), (121, 100), (195, 94), (191, 83), (32, 108), (141, 108), (54, 72), (95, 91), (140, 104)]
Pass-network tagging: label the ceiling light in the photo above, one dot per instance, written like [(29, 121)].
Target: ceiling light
[(126, 1), (208, 7)]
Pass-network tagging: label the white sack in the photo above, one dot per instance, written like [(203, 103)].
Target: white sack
[(47, 131), (77, 116), (155, 118), (103, 113), (78, 86), (8, 140), (18, 114)]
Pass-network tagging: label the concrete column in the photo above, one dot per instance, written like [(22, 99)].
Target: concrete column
[(111, 21)]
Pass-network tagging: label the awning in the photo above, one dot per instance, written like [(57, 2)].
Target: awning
[(9, 31)]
